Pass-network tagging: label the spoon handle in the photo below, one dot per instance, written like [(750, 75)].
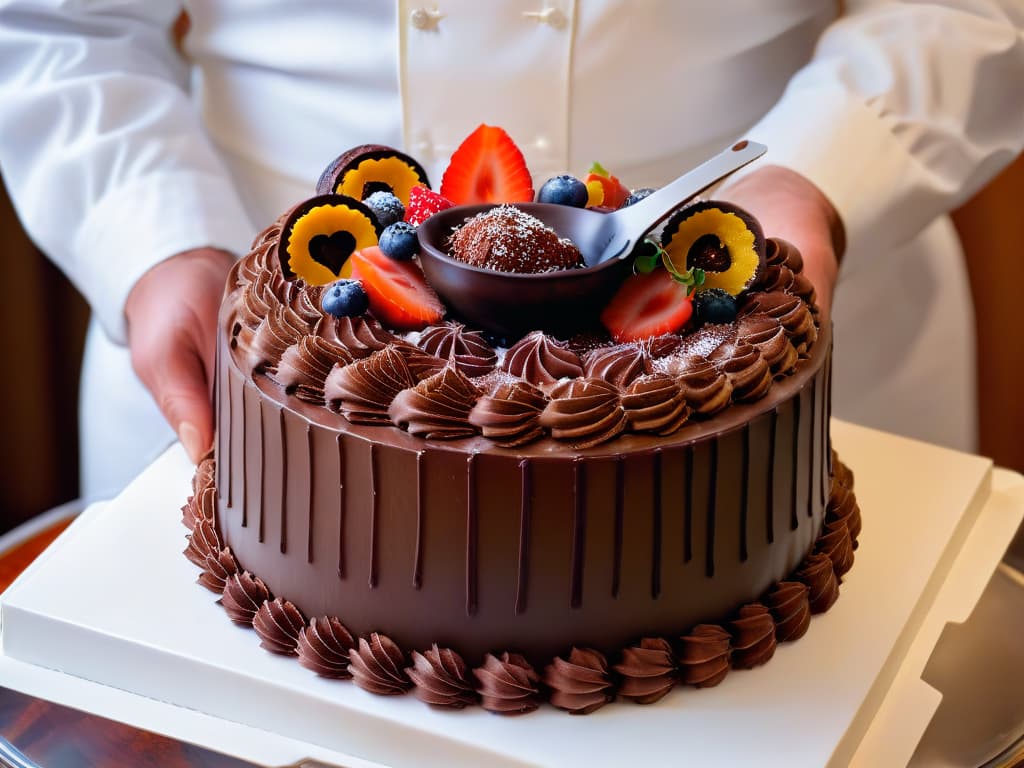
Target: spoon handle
[(632, 223)]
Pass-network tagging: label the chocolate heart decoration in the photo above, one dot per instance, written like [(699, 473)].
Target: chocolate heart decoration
[(332, 250)]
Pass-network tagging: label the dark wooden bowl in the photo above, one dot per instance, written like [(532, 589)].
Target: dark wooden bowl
[(510, 304)]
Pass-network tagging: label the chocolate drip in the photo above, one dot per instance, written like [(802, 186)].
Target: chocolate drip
[(579, 522), (813, 456), (525, 511), (278, 624), (656, 518), (341, 507), (378, 666), (744, 493), (794, 522), (770, 493), (417, 566), (261, 440), (508, 685), (283, 511), (231, 437), (472, 535), (441, 678), (374, 515), (620, 507), (323, 647), (648, 671), (688, 506), (310, 485), (245, 458), (580, 684), (712, 507)]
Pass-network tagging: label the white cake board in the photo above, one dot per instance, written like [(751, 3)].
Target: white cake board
[(83, 609)]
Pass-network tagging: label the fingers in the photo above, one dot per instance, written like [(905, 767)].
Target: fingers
[(172, 321)]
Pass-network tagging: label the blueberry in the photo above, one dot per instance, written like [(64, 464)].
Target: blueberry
[(636, 196), (564, 190), (386, 207), (345, 298), (398, 241), (715, 305)]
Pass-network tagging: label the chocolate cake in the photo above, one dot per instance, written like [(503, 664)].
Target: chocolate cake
[(569, 520)]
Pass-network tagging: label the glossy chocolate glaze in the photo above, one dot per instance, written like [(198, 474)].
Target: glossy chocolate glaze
[(531, 549)]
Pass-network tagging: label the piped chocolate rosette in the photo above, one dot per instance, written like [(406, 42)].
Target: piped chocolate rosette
[(714, 316)]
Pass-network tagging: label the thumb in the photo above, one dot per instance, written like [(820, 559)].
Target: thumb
[(183, 396)]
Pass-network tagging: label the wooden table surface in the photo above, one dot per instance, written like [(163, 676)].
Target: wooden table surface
[(61, 737)]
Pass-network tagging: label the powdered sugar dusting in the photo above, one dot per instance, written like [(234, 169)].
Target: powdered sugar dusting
[(508, 239)]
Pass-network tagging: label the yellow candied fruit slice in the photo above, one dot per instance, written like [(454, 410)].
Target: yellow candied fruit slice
[(735, 238), (393, 172), (322, 240), (595, 193)]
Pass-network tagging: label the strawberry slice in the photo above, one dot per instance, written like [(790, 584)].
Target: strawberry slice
[(646, 306), (487, 168), (399, 295), (424, 203)]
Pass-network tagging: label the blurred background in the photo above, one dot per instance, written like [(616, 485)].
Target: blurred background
[(43, 319)]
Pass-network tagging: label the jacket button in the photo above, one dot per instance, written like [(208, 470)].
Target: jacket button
[(553, 17), (425, 18)]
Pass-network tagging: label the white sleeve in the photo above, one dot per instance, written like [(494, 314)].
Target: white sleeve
[(101, 148), (904, 112)]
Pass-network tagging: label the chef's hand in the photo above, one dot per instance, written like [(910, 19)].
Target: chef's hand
[(172, 332), (791, 208)]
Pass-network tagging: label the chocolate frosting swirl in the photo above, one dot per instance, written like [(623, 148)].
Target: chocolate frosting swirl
[(842, 506), (378, 666), (790, 608), (655, 403), (281, 328), (510, 414), (835, 542), (618, 365), (305, 300), (422, 364), (585, 412), (304, 367), (753, 636), (541, 360), (767, 335), (243, 596), (465, 349), (217, 569), (784, 271), (360, 335), (252, 303), (749, 374), (508, 685), (436, 408), (580, 684), (278, 623), (648, 670), (789, 310), (441, 678), (363, 391), (199, 507), (203, 479), (202, 543), (323, 647), (707, 390), (817, 573), (704, 656)]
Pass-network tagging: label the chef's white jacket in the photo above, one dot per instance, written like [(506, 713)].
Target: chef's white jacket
[(119, 154)]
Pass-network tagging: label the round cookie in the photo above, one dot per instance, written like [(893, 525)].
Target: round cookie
[(370, 168), (321, 234)]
